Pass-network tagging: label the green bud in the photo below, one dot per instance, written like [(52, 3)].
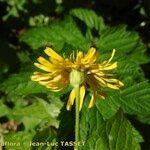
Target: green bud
[(76, 78)]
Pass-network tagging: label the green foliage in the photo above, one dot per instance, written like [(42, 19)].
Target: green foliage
[(116, 133), (21, 85), (20, 139), (14, 7), (90, 18), (133, 100), (39, 20), (41, 114), (90, 121), (50, 36)]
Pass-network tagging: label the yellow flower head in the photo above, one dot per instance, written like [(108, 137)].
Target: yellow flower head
[(59, 72)]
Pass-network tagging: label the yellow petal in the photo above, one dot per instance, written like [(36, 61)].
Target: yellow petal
[(79, 56), (108, 67), (112, 86), (102, 96), (71, 99), (121, 83), (95, 71), (53, 54), (114, 81), (39, 77), (90, 55), (56, 90), (54, 61), (52, 88), (45, 62), (92, 101), (100, 79), (56, 79), (82, 94), (112, 55), (41, 74), (45, 68)]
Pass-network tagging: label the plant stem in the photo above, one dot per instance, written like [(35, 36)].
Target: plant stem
[(77, 89)]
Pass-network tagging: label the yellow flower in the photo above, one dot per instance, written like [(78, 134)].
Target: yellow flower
[(57, 71), (94, 76)]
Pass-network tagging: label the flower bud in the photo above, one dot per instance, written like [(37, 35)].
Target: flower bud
[(76, 78)]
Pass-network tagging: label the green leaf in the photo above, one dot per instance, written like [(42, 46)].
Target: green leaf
[(127, 43), (136, 99), (125, 69), (90, 18), (133, 100), (66, 126), (144, 119), (107, 107), (4, 110), (46, 136), (138, 54), (18, 141), (115, 133), (56, 35), (119, 38), (38, 112), (89, 121), (21, 85)]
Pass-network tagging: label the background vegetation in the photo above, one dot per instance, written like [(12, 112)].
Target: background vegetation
[(30, 112)]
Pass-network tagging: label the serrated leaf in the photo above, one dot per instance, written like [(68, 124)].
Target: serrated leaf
[(127, 43), (90, 18), (136, 99), (56, 35), (133, 100), (119, 38), (116, 133), (107, 107), (137, 135), (21, 85), (90, 120)]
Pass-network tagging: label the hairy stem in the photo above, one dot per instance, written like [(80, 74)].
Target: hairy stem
[(77, 117)]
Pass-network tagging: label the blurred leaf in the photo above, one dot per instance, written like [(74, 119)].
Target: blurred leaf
[(24, 57), (20, 140), (38, 112), (144, 119), (56, 35), (115, 133), (39, 20), (46, 135), (4, 110), (14, 7)]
